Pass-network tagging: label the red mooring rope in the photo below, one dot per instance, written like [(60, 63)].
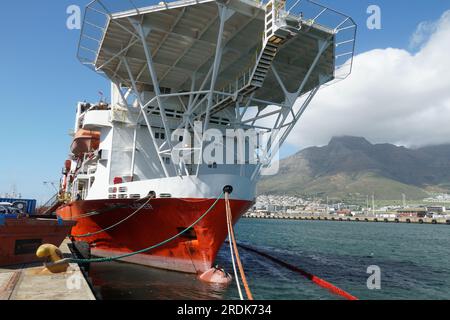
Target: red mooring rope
[(320, 282)]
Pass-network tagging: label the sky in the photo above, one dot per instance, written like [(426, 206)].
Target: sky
[(398, 92)]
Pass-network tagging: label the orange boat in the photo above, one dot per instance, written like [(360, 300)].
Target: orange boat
[(85, 141), (20, 237)]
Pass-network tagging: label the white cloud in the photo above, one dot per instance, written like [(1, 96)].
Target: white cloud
[(422, 33), (392, 96)]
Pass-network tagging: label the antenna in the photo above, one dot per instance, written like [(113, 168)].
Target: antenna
[(101, 95)]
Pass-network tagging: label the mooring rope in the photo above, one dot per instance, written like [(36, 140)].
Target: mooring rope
[(114, 225), (115, 258), (231, 236), (231, 249), (320, 282), (112, 208)]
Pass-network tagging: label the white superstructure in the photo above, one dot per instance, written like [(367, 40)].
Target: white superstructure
[(183, 68)]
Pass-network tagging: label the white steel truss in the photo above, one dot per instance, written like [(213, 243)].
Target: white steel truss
[(238, 101)]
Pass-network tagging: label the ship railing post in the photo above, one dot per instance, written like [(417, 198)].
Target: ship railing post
[(110, 15)]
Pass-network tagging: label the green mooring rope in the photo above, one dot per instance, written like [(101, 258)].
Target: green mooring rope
[(112, 226), (114, 258)]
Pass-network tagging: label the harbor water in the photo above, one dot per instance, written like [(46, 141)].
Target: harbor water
[(413, 260)]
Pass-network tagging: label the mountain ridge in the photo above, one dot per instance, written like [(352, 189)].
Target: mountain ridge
[(353, 165)]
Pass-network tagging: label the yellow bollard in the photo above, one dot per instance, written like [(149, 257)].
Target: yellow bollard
[(53, 255)]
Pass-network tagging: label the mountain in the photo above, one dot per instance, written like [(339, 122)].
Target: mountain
[(353, 165)]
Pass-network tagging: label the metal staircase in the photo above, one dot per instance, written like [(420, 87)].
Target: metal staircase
[(51, 205), (274, 37)]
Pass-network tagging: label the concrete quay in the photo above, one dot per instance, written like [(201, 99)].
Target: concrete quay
[(329, 217), (34, 282)]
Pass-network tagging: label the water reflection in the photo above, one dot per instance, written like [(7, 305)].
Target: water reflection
[(339, 253), (117, 280)]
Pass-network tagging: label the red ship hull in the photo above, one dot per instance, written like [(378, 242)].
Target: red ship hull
[(193, 252)]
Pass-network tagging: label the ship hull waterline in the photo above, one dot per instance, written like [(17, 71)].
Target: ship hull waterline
[(193, 252)]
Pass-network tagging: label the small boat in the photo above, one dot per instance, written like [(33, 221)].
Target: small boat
[(85, 141), (22, 235)]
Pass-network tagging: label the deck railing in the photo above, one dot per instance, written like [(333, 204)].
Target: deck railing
[(98, 15), (344, 28)]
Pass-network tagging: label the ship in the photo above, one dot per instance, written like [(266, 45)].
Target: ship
[(184, 75), (22, 232)]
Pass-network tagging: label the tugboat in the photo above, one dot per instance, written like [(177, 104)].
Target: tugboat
[(178, 69), (21, 234)]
